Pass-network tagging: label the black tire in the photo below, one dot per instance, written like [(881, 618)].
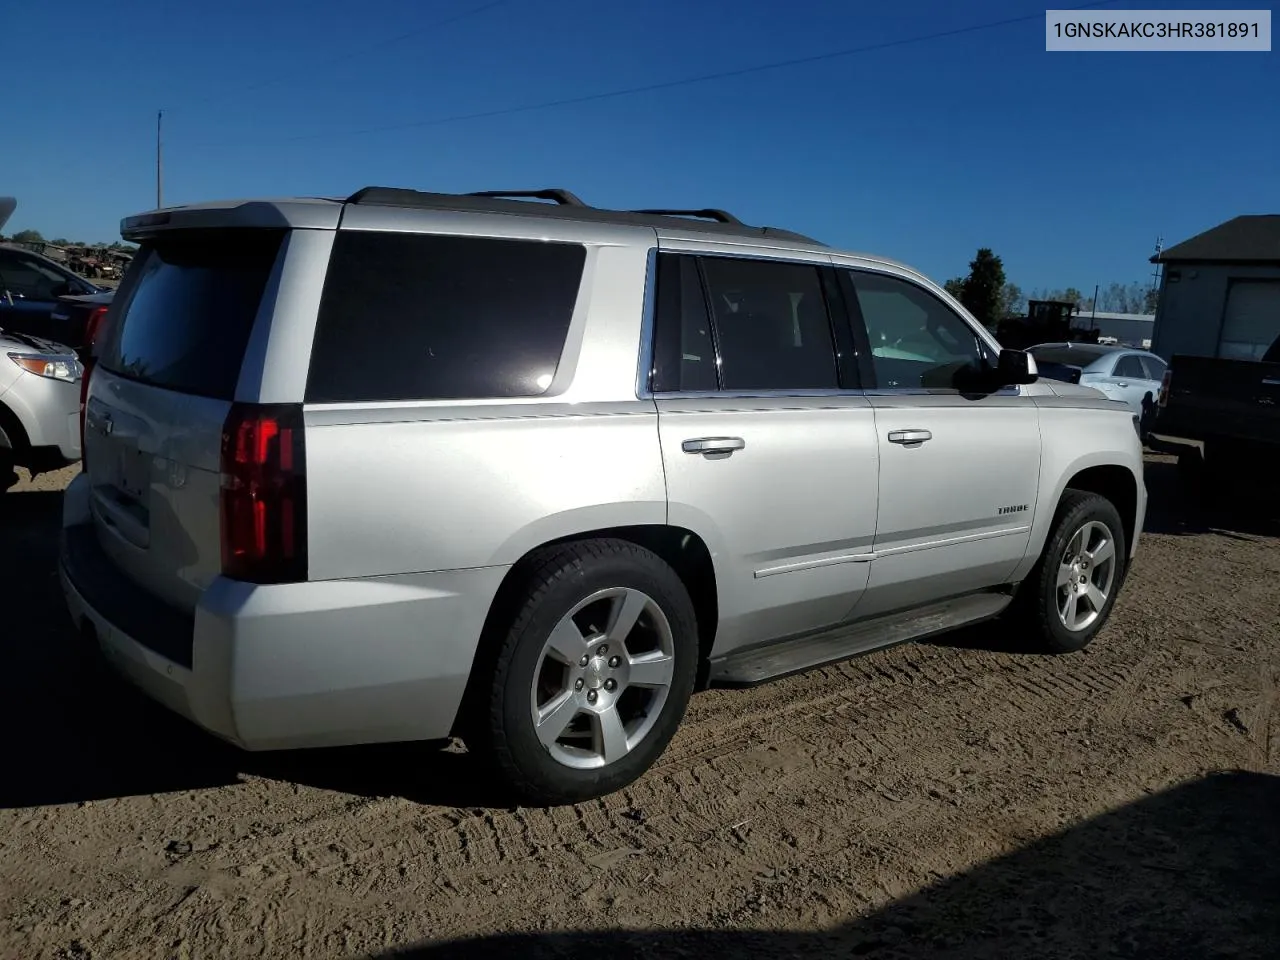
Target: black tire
[(502, 730), (1034, 612), (8, 477)]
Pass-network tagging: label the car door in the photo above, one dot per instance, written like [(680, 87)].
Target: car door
[(1129, 382), (959, 469), (29, 290), (769, 449)]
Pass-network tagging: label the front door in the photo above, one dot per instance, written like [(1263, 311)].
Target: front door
[(770, 456), (959, 472)]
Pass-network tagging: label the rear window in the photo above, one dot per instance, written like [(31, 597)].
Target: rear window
[(1071, 356), (427, 317), (187, 308)]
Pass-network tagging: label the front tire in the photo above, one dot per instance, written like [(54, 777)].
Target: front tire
[(1066, 600), (593, 674)]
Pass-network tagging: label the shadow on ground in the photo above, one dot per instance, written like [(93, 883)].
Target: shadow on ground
[(1179, 503), (1190, 873), (70, 731)]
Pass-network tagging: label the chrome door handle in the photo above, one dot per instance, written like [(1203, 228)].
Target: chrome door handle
[(713, 445), (1122, 383), (909, 436)]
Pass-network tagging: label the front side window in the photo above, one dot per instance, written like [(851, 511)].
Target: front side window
[(916, 341), (771, 325)]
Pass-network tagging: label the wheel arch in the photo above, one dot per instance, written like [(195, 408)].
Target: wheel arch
[(682, 549), (1117, 484)]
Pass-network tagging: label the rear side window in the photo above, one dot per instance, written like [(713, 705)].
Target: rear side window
[(771, 325), (1130, 367), (426, 317), (186, 309)]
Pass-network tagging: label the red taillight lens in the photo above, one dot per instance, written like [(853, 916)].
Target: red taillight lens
[(92, 325), (84, 399), (264, 494), (1164, 386)]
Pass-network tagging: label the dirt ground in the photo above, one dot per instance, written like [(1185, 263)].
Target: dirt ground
[(958, 798)]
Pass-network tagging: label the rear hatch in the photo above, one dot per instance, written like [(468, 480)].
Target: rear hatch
[(159, 397)]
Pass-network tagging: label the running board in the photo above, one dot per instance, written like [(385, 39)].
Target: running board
[(781, 658)]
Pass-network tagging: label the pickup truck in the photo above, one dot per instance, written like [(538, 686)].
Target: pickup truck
[(1232, 406)]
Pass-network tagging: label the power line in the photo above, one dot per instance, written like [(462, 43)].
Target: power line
[(363, 51), (687, 81)]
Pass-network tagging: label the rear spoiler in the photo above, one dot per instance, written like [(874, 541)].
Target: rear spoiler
[(236, 214)]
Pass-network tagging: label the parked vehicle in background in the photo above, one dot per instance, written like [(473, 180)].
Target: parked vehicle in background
[(408, 465), (39, 405), (76, 321), (1134, 377), (1232, 406), (30, 289)]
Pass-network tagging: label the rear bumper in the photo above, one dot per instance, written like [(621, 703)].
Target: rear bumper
[(292, 665)]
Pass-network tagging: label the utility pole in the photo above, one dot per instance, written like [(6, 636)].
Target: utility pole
[(159, 164)]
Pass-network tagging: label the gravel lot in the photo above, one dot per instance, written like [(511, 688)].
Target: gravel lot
[(958, 798)]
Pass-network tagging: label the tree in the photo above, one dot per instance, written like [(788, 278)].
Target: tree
[(954, 286), (28, 236), (981, 290), (1012, 302), (1150, 300)]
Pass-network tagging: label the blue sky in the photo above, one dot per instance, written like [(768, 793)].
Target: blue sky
[(1067, 165)]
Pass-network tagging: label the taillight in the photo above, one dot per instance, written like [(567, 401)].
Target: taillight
[(264, 495), (87, 364), (92, 324), (1164, 386)]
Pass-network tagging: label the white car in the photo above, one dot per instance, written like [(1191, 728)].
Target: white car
[(1120, 373)]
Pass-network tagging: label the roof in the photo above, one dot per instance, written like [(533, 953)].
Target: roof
[(323, 213), (1245, 239)]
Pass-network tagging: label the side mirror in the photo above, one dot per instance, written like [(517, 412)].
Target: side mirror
[(1016, 367)]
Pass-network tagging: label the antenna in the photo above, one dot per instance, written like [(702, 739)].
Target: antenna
[(1155, 273), (159, 164)]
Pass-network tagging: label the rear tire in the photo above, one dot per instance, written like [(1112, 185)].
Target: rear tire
[(1068, 596), (594, 668)]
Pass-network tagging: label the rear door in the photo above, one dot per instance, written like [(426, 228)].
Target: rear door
[(1129, 381), (167, 374), (768, 446)]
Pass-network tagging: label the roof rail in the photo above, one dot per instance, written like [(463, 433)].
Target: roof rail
[(562, 197), (720, 216), (567, 206)]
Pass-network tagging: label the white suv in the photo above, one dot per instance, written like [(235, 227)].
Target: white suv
[(510, 467)]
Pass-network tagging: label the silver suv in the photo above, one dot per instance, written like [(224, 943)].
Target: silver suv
[(509, 467)]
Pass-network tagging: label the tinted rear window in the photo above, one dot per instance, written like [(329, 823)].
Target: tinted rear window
[(187, 308), (1071, 356), (426, 317)]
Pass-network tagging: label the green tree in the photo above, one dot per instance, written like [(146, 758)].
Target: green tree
[(982, 288), (1150, 300), (1012, 301), (954, 286), (28, 236)]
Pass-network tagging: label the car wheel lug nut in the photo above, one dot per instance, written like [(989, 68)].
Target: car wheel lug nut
[(614, 661), (577, 684), (591, 695), (610, 685), (604, 648), (584, 661)]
